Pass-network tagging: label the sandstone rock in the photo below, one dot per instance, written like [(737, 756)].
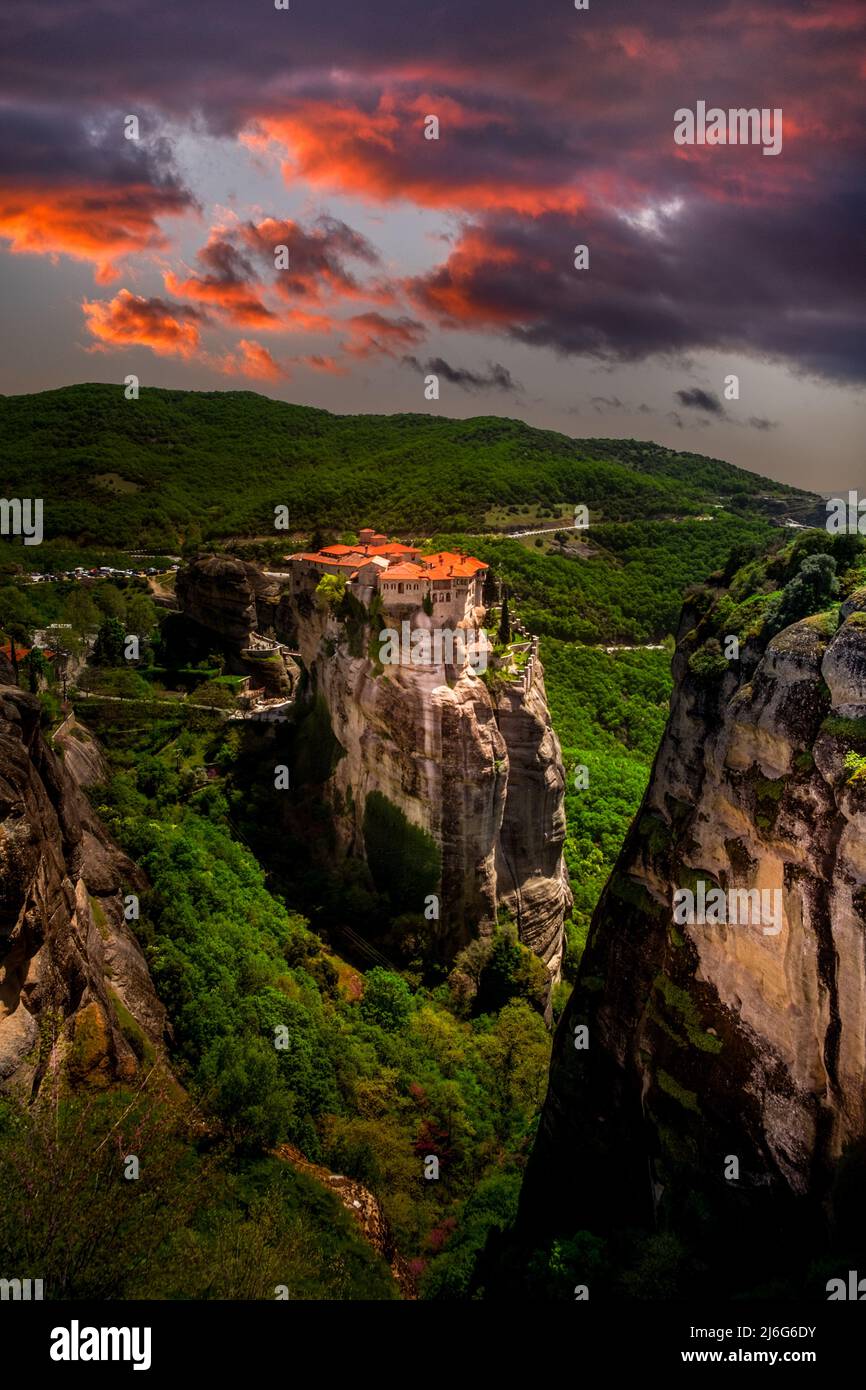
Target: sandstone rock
[(216, 593), (484, 778), (532, 881), (82, 755), (855, 603), (230, 599), (61, 914), (844, 667), (713, 1040)]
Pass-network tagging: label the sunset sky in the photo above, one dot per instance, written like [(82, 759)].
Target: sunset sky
[(305, 128)]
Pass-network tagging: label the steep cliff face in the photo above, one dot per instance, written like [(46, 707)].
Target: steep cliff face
[(74, 987), (82, 755), (710, 1040), (481, 773), (531, 877)]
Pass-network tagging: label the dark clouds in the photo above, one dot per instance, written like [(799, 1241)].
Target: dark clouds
[(229, 282), (495, 378), (317, 256), (375, 335), (767, 281), (82, 189), (555, 129), (696, 399), (60, 147), (305, 266), (223, 58)]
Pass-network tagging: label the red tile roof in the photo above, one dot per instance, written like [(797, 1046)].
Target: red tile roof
[(404, 570), (462, 565), (447, 565), (391, 548), (319, 558)]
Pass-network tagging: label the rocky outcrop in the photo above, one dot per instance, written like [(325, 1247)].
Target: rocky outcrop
[(82, 756), (709, 1041), (479, 769), (531, 878), (230, 600), (75, 991), (218, 593), (480, 772), (844, 668)]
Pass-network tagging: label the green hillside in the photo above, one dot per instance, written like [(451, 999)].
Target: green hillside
[(179, 466)]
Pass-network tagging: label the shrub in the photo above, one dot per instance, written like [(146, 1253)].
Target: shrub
[(387, 999), (856, 765), (329, 592), (512, 972), (708, 663), (110, 642), (811, 589)]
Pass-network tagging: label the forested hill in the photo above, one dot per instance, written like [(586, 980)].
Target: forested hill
[(184, 465)]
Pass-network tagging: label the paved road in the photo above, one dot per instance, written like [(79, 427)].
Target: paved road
[(629, 647), (543, 531), (562, 526)]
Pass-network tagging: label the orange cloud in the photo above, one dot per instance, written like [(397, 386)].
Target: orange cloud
[(239, 263), (253, 361), (236, 302), (130, 320), (317, 258), (383, 154), (373, 335), (98, 224), (452, 290), (299, 321), (228, 282), (322, 364)]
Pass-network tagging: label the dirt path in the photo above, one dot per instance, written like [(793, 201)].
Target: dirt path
[(160, 593)]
